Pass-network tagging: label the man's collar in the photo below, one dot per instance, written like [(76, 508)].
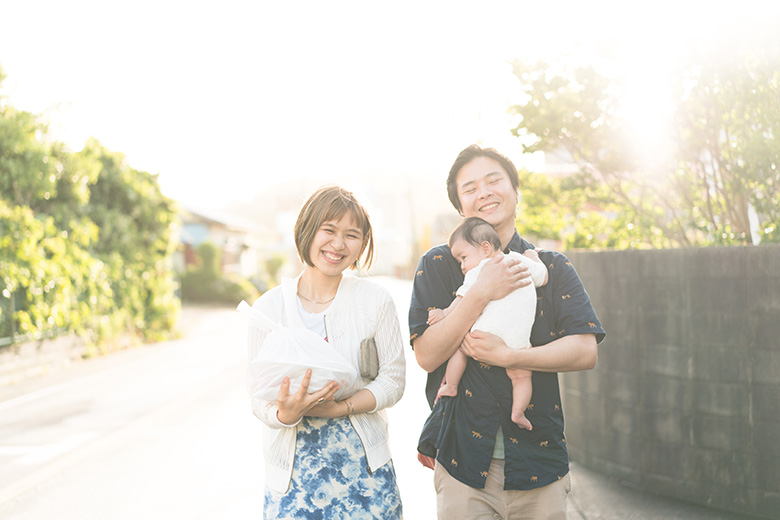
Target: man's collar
[(518, 244)]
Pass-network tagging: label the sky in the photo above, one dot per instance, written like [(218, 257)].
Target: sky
[(226, 99)]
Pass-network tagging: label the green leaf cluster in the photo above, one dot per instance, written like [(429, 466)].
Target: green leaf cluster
[(205, 283), (86, 241), (728, 127), (580, 213), (717, 186)]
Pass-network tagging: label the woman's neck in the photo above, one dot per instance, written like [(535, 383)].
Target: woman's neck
[(315, 287)]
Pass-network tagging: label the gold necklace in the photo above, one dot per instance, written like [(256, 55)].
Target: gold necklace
[(316, 303)]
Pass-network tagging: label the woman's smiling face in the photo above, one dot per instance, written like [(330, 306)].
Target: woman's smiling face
[(336, 245)]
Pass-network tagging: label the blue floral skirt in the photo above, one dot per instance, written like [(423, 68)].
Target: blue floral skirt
[(331, 479)]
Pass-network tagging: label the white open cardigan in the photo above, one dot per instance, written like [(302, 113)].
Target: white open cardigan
[(361, 309)]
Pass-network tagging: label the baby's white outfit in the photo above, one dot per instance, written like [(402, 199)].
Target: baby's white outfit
[(511, 317)]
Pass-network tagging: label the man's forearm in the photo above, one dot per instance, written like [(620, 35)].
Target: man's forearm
[(442, 339), (567, 354)]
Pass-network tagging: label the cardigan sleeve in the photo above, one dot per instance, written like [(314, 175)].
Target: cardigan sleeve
[(388, 386)]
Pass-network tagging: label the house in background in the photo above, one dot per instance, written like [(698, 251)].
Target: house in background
[(233, 236)]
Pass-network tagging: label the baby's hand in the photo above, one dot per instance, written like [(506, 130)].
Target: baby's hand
[(435, 316), (533, 254)]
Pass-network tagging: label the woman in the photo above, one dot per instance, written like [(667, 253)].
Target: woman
[(326, 458)]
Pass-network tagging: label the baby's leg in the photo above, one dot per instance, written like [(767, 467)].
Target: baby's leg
[(455, 368), (521, 395)]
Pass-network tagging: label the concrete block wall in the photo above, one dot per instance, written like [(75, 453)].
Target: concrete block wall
[(685, 400)]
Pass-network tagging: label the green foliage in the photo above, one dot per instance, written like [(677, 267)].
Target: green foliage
[(210, 259), (85, 240), (54, 282), (729, 129), (724, 162), (272, 267), (204, 282), (136, 242), (28, 177), (578, 212)]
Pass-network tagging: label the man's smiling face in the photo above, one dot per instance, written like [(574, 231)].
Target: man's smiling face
[(485, 191)]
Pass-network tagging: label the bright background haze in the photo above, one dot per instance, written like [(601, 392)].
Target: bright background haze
[(227, 99)]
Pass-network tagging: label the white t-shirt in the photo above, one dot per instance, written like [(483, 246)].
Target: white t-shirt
[(511, 317), (314, 321)]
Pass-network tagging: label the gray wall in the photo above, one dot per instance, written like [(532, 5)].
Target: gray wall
[(685, 400)]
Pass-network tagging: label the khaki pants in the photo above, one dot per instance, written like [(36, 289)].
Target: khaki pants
[(457, 501)]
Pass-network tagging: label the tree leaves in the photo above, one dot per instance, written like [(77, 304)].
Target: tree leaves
[(723, 168), (85, 240)]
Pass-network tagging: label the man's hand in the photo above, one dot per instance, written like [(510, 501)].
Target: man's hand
[(496, 280), (486, 348), (428, 462), (500, 276)]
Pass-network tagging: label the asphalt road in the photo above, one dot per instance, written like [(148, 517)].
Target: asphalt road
[(165, 431)]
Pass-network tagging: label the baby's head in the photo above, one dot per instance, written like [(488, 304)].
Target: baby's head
[(473, 241)]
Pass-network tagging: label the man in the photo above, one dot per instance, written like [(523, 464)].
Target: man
[(486, 466)]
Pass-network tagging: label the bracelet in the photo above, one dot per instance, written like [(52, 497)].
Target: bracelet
[(350, 407)]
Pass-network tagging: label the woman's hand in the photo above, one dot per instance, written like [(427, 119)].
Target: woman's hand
[(501, 276), (293, 407), (486, 348)]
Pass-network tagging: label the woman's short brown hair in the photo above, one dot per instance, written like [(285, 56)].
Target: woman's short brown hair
[(326, 204)]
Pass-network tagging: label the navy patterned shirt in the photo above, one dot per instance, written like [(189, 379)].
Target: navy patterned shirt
[(468, 424)]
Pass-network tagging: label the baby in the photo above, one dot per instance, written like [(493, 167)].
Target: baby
[(473, 243)]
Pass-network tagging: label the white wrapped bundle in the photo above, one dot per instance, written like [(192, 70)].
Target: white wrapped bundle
[(289, 352)]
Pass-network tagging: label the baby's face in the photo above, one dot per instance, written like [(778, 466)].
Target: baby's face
[(467, 254)]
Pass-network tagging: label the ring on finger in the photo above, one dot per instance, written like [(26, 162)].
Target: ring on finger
[(321, 400)]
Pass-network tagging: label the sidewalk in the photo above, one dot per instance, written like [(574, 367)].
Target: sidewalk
[(594, 496), (598, 497)]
